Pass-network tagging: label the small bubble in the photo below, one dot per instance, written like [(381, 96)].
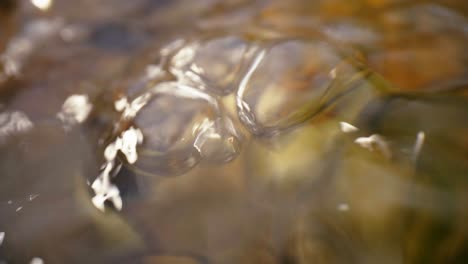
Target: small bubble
[(215, 65), (218, 141)]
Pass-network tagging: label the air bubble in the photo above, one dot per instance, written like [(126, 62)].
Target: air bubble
[(180, 126), (214, 65), (288, 83), (218, 140)]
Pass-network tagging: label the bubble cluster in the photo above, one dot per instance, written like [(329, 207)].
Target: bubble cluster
[(181, 125), (215, 65), (277, 85)]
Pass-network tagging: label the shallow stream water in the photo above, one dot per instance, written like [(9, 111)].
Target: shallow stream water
[(233, 131)]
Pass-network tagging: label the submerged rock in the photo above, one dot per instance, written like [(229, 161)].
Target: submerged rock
[(295, 132)]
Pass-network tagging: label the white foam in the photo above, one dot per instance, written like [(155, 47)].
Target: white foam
[(347, 127), (374, 140)]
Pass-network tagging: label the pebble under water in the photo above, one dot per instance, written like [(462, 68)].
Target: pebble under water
[(233, 131)]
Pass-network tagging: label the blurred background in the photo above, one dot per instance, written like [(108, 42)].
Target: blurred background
[(340, 131)]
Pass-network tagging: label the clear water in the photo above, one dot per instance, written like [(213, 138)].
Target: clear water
[(233, 131)]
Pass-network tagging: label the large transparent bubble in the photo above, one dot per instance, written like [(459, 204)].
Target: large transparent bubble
[(289, 82), (182, 125)]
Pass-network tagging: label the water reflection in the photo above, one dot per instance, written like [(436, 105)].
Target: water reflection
[(295, 132)]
